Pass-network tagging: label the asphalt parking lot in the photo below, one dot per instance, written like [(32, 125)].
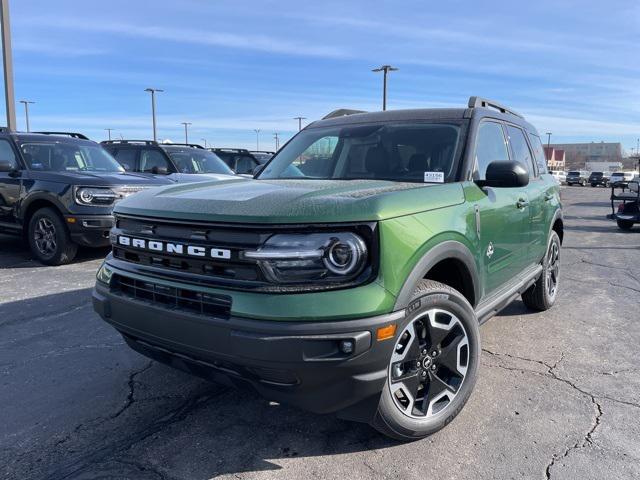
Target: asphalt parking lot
[(558, 394)]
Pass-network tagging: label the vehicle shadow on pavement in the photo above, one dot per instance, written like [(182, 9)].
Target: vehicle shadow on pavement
[(14, 253)]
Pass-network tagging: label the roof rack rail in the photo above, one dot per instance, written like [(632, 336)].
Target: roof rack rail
[(145, 142), (475, 102), (226, 149), (192, 145), (68, 134), (341, 112), (261, 151)]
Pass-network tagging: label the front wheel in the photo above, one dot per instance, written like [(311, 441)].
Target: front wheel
[(49, 238), (433, 368), (624, 224), (542, 294)]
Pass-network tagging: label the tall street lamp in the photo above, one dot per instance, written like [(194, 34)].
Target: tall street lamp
[(299, 121), (7, 62), (386, 69), (109, 130), (26, 104), (186, 132), (277, 137), (257, 130), (153, 109), (205, 142)]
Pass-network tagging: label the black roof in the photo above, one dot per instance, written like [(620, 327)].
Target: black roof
[(476, 106)]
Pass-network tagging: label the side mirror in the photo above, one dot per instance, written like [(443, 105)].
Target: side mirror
[(257, 169), (7, 167), (159, 171), (505, 175)]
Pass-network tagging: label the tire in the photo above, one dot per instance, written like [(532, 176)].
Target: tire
[(624, 224), (593, 185), (540, 296), (402, 421), (49, 238)]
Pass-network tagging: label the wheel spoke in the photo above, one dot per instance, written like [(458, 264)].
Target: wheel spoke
[(448, 356), (410, 350), (436, 389)]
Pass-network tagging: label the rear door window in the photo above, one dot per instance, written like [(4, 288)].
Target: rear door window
[(538, 153)]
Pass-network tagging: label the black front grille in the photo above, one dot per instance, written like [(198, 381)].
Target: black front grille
[(173, 298)]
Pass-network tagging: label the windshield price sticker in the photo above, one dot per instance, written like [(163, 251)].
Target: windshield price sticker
[(434, 177)]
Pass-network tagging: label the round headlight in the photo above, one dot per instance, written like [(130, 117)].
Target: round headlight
[(86, 195), (345, 255)]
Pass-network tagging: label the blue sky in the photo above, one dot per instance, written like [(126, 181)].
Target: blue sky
[(228, 67)]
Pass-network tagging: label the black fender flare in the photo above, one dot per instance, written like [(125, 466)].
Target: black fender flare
[(449, 249), (48, 197), (556, 216)]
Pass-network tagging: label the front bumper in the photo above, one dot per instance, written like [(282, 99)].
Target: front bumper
[(90, 230), (299, 363)]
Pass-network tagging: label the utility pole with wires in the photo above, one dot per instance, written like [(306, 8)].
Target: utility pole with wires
[(276, 135), (186, 131), (386, 69), (26, 104), (109, 130), (299, 121), (205, 142), (257, 130)]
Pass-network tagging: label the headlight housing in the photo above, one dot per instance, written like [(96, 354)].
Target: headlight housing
[(313, 259), (103, 196)]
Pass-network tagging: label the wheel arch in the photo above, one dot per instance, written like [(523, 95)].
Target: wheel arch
[(450, 262), (35, 204), (557, 225)]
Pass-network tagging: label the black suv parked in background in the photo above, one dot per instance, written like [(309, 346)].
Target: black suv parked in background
[(58, 190), (179, 162), (262, 156), (239, 160), (599, 178), (577, 177)]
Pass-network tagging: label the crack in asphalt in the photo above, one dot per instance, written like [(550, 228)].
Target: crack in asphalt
[(107, 451), (587, 439), (130, 400)]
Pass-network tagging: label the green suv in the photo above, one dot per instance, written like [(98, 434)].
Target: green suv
[(352, 274)]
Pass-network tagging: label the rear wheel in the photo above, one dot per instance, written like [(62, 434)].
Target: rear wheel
[(624, 224), (542, 294), (433, 368), (49, 238)]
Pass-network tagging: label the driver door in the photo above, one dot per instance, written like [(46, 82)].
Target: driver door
[(502, 214)]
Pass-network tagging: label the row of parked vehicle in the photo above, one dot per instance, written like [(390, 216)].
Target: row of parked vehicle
[(58, 189), (595, 179)]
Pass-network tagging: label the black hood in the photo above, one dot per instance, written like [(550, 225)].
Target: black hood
[(100, 179)]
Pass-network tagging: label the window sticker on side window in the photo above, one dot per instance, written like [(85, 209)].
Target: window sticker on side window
[(434, 177)]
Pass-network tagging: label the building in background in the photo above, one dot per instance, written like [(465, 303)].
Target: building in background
[(578, 155), (604, 166), (556, 158)]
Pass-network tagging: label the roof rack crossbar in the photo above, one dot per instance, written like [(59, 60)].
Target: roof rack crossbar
[(475, 102), (69, 134), (146, 142), (341, 112)]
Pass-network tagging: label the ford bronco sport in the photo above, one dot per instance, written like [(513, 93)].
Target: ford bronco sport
[(353, 273), (57, 190)]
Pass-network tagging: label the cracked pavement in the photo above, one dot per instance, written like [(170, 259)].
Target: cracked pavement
[(558, 394)]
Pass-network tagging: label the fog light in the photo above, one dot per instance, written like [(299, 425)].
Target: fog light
[(346, 346), (104, 274)]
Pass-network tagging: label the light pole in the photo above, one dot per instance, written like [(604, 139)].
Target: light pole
[(276, 136), (257, 130), (109, 130), (7, 61), (299, 121), (186, 132), (386, 69), (26, 104), (153, 109), (205, 142)]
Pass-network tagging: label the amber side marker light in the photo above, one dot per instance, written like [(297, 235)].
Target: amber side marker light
[(71, 220), (385, 333)]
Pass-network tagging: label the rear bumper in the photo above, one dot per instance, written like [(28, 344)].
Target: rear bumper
[(90, 230), (299, 363)]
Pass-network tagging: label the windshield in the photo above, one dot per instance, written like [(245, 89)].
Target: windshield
[(573, 173), (55, 156), (194, 160), (419, 152), (238, 161), (596, 174)]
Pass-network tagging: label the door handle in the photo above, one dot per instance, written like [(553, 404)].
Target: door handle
[(522, 203), (548, 196)]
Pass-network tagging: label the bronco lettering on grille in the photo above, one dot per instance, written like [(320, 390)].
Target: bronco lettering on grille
[(176, 248)]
